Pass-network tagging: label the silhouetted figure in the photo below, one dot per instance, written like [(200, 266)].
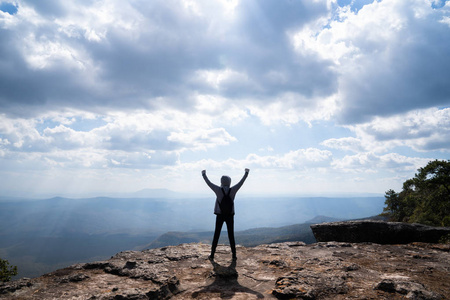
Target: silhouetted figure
[(222, 192)]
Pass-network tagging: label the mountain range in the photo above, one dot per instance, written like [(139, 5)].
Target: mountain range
[(39, 236)]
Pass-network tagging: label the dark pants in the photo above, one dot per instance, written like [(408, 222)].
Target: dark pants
[(230, 228)]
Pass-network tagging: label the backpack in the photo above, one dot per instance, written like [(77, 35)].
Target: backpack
[(226, 206)]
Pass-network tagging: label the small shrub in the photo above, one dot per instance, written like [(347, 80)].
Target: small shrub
[(6, 271)]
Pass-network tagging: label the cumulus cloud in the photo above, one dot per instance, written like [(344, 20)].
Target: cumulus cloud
[(371, 58), (171, 85), (373, 163), (422, 130), (347, 143), (139, 140), (105, 55), (391, 56), (202, 138), (300, 159)]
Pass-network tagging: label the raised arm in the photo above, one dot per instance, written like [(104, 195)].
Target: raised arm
[(208, 182), (241, 182)]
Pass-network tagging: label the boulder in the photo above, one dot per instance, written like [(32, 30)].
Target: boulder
[(380, 232), (411, 290)]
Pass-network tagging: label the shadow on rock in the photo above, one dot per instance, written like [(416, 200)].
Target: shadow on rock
[(225, 283)]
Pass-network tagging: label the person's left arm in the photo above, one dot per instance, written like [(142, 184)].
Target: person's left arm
[(241, 182)]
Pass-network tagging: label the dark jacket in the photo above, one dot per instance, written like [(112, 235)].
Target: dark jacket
[(226, 186)]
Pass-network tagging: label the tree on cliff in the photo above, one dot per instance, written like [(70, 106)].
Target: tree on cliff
[(424, 199), (6, 271)]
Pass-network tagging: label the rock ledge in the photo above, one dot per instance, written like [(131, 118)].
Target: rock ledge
[(285, 271), (378, 232)]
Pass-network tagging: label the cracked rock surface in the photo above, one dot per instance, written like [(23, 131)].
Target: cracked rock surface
[(291, 270)]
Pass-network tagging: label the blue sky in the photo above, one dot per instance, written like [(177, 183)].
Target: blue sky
[(315, 97)]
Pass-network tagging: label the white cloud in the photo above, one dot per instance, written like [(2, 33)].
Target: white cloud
[(109, 55), (422, 130), (224, 80), (373, 163), (21, 134), (169, 89), (293, 108), (300, 159), (347, 143), (141, 160), (62, 138), (137, 140), (391, 56), (202, 139)]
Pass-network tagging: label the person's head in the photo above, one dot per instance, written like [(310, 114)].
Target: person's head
[(225, 180)]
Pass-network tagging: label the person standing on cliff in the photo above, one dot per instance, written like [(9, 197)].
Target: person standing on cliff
[(224, 191)]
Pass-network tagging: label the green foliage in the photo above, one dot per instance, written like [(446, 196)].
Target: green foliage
[(424, 199), (6, 271)]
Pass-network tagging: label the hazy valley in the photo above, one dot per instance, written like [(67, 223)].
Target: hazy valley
[(42, 235)]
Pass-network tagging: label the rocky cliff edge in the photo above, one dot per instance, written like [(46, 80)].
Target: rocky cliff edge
[(379, 232), (293, 270)]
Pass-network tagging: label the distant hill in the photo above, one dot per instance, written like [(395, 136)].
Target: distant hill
[(323, 219), (247, 238), (144, 193), (103, 215), (250, 237), (153, 193), (94, 228)]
